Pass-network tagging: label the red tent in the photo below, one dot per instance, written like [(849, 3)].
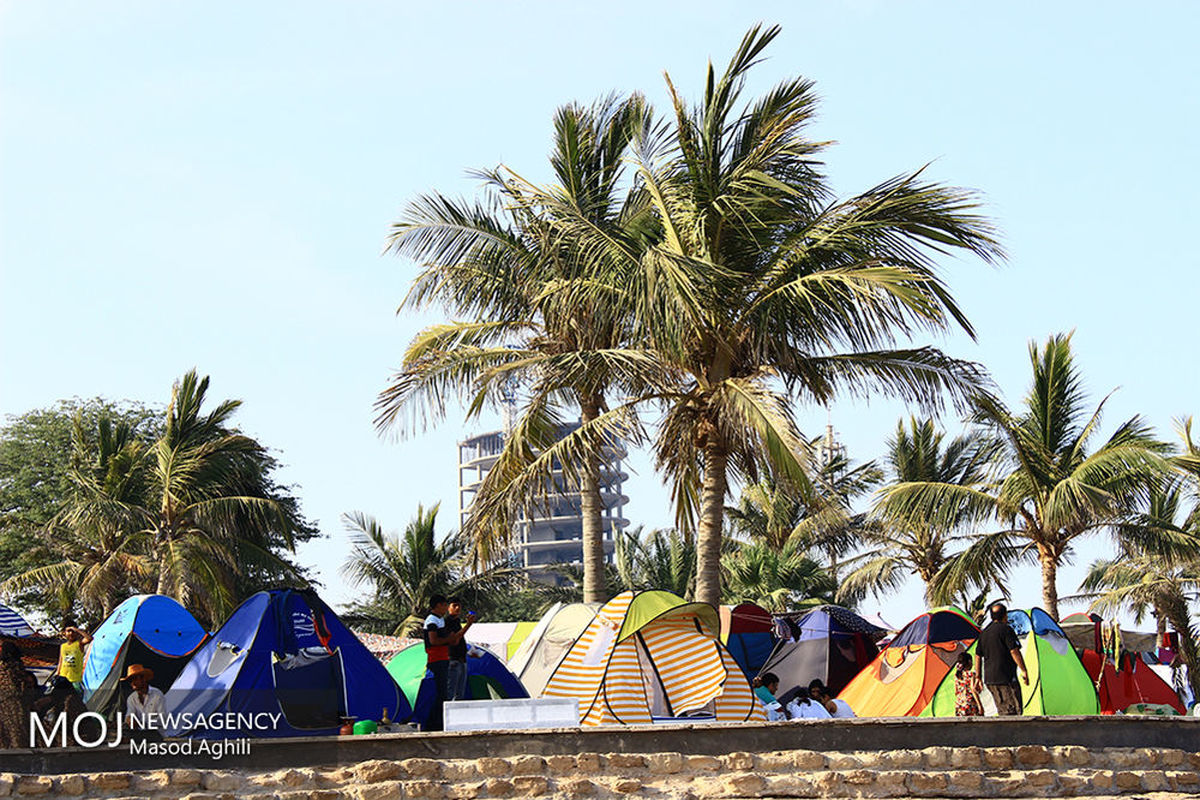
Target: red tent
[(1120, 688)]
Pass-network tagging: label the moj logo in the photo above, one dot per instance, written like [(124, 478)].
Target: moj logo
[(88, 730)]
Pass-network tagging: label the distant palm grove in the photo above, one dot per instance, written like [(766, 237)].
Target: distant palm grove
[(686, 282)]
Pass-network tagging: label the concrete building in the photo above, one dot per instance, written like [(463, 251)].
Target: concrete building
[(553, 534)]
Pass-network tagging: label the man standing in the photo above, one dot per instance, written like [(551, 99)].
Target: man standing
[(456, 672), (1001, 654), (437, 654), (70, 656)]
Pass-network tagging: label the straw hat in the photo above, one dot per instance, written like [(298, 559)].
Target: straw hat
[(137, 669)]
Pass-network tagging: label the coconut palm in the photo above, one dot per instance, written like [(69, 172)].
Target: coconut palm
[(762, 291), (91, 553), (1050, 491), (402, 571), (778, 580), (896, 549), (1156, 571), (503, 266)]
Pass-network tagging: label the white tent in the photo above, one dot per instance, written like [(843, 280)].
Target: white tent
[(544, 648)]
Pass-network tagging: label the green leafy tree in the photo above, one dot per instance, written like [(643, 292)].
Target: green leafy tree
[(403, 570), (503, 266), (779, 580), (1052, 487), (898, 548), (658, 559)]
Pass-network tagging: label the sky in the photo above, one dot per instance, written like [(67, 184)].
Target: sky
[(210, 185)]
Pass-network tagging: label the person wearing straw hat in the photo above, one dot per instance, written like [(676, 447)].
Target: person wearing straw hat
[(144, 699)]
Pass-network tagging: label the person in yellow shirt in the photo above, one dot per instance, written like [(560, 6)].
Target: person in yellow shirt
[(70, 655)]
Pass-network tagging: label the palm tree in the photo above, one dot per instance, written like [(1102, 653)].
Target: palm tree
[(503, 266), (760, 290), (207, 514), (899, 548), (660, 559), (404, 570), (92, 556), (1050, 490), (778, 580), (1156, 571)]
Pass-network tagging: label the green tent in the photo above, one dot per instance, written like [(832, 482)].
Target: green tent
[(1058, 683)]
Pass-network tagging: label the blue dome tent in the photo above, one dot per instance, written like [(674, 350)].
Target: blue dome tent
[(147, 629), (284, 652)]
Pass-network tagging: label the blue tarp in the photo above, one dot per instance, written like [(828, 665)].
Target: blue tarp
[(284, 653)]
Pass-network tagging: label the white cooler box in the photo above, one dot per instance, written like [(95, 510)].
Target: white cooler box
[(485, 715)]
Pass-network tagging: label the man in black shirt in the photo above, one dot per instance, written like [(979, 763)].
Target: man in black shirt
[(456, 678), (1001, 654)]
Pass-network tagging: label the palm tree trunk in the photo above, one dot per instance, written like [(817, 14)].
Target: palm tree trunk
[(1049, 582), (591, 507), (712, 518)]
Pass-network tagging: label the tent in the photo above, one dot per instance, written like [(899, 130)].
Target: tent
[(901, 680), (747, 630), (487, 679), (1058, 682), (650, 656), (148, 629), (548, 642), (830, 643), (1123, 678), (285, 652), (500, 638), (13, 624)]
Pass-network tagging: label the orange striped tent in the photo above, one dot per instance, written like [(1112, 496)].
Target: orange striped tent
[(902, 679), (650, 656)]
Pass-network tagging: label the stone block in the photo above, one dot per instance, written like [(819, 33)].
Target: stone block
[(528, 765), (626, 760), (963, 783), (627, 785), (739, 761), (71, 785), (1155, 780), (560, 765), (377, 770), (789, 786), (937, 757), (1171, 758), (928, 783), (902, 759), (890, 783), (858, 777), (998, 757), (586, 762), (827, 784), (842, 761), (808, 759), (745, 785), (577, 787), (426, 768), (530, 785), (703, 763), (381, 790), (1102, 779), (7, 779), (1184, 780), (1123, 758), (220, 781), (1128, 780), (424, 788), (498, 787), (184, 777), (110, 781), (1034, 755), (1073, 782), (966, 757), (1071, 756), (773, 762), (1040, 778), (34, 784), (464, 791), (461, 770), (1003, 784), (664, 763), (497, 767)]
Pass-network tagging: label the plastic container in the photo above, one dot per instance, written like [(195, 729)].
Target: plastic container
[(365, 726)]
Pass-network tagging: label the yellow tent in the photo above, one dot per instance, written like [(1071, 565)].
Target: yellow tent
[(650, 656)]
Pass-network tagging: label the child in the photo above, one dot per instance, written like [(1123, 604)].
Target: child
[(966, 688)]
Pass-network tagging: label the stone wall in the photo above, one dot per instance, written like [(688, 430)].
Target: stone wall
[(1020, 771)]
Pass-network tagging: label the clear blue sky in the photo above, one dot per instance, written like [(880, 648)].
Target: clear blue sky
[(211, 185)]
